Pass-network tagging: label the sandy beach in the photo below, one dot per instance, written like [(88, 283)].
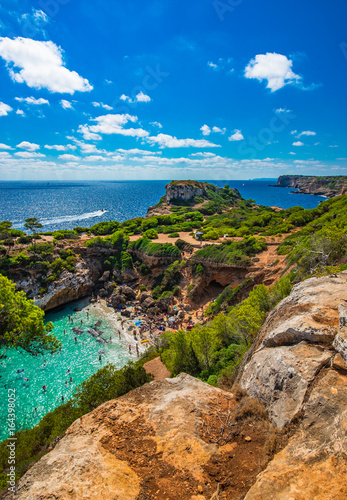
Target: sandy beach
[(122, 325)]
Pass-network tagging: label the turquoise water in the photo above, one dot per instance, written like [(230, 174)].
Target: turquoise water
[(81, 358)]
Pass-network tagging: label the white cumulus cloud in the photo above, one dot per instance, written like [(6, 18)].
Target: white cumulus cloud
[(68, 157), (156, 124), (32, 100), (58, 147), (236, 136), (280, 111), (29, 154), (168, 141), (140, 97), (307, 132), (5, 109), (102, 105), (205, 129), (40, 65), (114, 124), (4, 146), (28, 146), (298, 143), (66, 104), (275, 68)]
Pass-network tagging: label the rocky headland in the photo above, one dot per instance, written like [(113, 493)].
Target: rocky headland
[(280, 434), (328, 186), (186, 193)]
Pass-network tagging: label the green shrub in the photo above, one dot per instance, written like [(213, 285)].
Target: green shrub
[(151, 234), (144, 245)]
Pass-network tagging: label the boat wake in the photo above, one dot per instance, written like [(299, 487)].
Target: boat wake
[(67, 218)]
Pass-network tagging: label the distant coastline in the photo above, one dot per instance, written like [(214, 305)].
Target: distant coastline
[(327, 186)]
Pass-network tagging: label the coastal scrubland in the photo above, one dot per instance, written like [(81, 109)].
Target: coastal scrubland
[(233, 233)]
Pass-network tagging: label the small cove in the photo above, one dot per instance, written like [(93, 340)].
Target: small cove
[(80, 356)]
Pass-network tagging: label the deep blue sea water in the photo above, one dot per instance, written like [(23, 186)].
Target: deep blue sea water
[(65, 205)]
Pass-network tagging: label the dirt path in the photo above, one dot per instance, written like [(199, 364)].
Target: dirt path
[(157, 368)]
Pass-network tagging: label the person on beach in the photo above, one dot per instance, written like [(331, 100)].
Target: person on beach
[(130, 348), (137, 350)]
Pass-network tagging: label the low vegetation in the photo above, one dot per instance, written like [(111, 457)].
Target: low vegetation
[(107, 383), (214, 351)]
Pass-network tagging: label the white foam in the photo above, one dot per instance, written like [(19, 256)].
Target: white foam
[(67, 218)]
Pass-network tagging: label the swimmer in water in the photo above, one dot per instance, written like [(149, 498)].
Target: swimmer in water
[(64, 332), (44, 388), (81, 321), (19, 371), (130, 348), (62, 398), (65, 382), (99, 357), (68, 371), (75, 339), (70, 380)]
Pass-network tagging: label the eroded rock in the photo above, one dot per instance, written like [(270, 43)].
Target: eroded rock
[(279, 378), (87, 463), (313, 465)]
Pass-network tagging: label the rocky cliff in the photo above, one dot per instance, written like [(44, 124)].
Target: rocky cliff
[(325, 186), (187, 193), (297, 369), (183, 439)]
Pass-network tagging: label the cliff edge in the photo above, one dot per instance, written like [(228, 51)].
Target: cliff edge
[(328, 186), (183, 439)]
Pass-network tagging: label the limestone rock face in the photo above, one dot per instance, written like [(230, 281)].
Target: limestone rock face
[(280, 378), (313, 464), (86, 464), (68, 287), (325, 186), (298, 370), (183, 191), (311, 313)]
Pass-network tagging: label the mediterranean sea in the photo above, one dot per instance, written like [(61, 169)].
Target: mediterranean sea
[(65, 205)]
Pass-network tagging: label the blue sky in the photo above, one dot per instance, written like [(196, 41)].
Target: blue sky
[(205, 89)]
